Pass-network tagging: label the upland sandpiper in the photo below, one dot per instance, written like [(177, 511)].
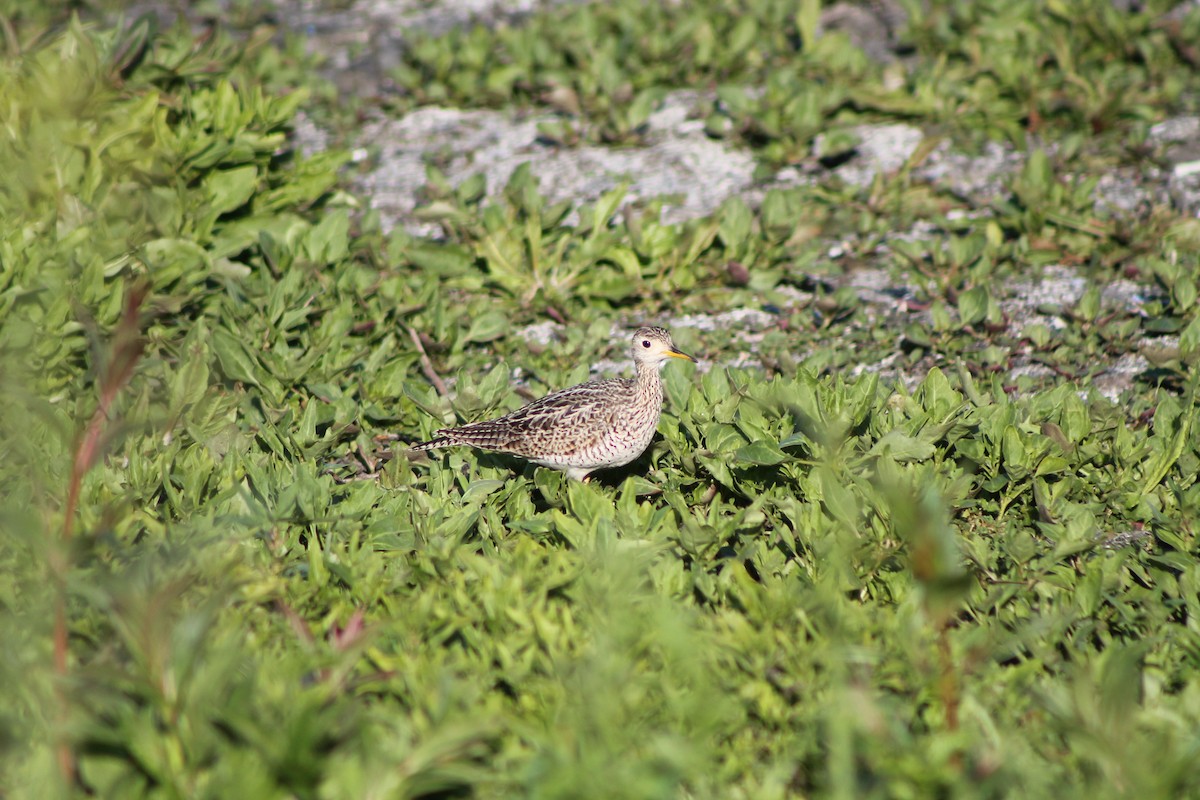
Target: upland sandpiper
[(595, 425)]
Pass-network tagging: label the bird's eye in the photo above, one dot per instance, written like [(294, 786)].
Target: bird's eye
[(645, 342)]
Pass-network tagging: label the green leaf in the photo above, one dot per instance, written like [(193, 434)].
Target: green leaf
[(191, 381), (1184, 294), (229, 189), (1168, 456), (973, 305), (736, 221), (1088, 307), (837, 497), (808, 21), (1189, 338), (627, 260), (446, 260), (488, 327), (761, 453), (605, 208), (937, 396), (1014, 452), (329, 241), (902, 447), (479, 490), (1051, 465), (235, 360), (1076, 423)]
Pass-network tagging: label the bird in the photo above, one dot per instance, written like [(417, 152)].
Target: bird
[(595, 425)]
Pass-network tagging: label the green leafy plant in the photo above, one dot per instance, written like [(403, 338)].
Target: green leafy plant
[(819, 580)]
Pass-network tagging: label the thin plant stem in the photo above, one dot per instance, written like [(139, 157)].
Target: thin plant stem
[(126, 350)]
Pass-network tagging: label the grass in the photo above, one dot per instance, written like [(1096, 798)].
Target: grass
[(223, 575)]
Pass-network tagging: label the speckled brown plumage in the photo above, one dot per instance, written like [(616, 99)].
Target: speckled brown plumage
[(594, 425)]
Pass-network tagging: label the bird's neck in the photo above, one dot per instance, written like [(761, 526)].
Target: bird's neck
[(648, 381)]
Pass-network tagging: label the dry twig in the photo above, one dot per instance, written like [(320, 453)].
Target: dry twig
[(427, 365)]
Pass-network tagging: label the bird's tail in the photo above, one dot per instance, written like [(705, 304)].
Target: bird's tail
[(433, 444), (487, 435)]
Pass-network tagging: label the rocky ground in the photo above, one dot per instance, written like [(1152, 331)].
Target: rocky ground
[(360, 41)]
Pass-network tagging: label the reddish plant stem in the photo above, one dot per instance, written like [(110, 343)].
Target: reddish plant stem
[(126, 350)]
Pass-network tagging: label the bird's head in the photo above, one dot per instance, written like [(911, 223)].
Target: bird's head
[(654, 346)]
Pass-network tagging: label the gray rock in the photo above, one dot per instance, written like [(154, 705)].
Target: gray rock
[(980, 177), (881, 148), (680, 161), (871, 26)]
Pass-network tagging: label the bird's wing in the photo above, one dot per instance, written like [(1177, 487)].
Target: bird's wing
[(579, 407), (569, 406)]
